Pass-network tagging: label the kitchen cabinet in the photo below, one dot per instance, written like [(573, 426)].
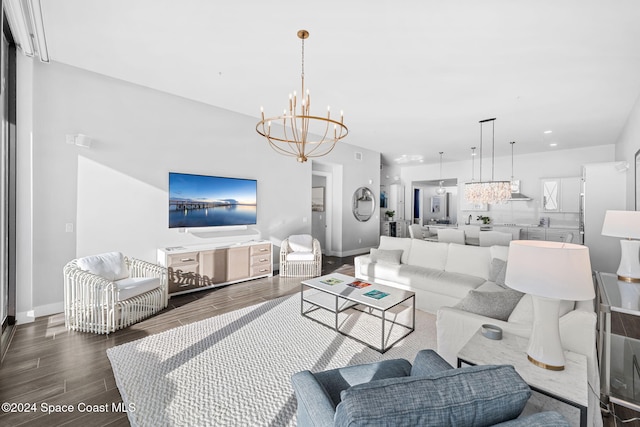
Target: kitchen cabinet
[(552, 234)]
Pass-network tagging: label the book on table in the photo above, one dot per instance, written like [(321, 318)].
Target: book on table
[(331, 281), (359, 284), (375, 294)]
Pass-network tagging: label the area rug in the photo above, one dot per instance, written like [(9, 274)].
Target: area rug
[(235, 369)]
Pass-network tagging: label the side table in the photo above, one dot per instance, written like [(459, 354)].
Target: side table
[(568, 386)]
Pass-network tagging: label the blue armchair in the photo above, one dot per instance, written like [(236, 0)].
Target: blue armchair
[(428, 393)]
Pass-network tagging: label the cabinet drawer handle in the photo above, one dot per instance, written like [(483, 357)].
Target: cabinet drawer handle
[(263, 259), (187, 259), (263, 270), (263, 249)]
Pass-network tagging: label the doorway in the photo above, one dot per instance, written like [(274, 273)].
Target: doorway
[(321, 224), (429, 207)]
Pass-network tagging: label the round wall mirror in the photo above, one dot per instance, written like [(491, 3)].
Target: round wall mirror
[(363, 204)]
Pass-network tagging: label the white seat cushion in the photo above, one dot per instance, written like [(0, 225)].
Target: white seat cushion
[(110, 265), (428, 254), (471, 260), (301, 243), (300, 256), (395, 243), (133, 286), (523, 312)]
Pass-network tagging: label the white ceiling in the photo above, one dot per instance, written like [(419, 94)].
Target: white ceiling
[(413, 77)]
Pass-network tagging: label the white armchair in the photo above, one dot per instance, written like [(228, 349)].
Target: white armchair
[(107, 292), (300, 256)]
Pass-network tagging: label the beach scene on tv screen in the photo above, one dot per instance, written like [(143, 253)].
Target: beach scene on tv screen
[(210, 201)]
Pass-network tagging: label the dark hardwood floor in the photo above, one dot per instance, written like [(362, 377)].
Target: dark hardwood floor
[(48, 368)]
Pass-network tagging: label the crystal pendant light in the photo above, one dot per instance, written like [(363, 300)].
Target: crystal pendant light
[(515, 185), (487, 191), (441, 190)]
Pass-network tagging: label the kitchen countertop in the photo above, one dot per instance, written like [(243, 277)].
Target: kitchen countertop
[(563, 227)]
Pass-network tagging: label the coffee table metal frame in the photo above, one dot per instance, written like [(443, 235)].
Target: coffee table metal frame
[(340, 297)]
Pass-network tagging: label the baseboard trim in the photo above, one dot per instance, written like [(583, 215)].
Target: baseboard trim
[(354, 252), (39, 311)]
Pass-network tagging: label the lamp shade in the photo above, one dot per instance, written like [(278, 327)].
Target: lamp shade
[(550, 269), (625, 224)]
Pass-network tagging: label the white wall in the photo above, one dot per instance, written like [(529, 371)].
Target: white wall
[(115, 193), (529, 168), (626, 147)]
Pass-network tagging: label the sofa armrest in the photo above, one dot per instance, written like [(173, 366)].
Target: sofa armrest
[(540, 419), (315, 407), (141, 268), (318, 394), (358, 262), (456, 327)]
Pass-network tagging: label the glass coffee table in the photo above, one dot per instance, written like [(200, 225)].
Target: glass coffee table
[(337, 293)]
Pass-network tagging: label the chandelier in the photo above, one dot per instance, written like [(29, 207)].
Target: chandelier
[(296, 132), (478, 192)]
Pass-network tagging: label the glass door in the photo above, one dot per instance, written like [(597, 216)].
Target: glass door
[(7, 186), (4, 288)]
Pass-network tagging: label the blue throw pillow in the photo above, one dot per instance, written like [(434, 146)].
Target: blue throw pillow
[(472, 396)]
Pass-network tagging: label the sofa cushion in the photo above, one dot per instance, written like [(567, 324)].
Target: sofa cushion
[(471, 260), (427, 362), (496, 305), (523, 311), (336, 380), (437, 281), (133, 286), (490, 287), (301, 243), (393, 243), (472, 396), (498, 271), (428, 254), (390, 256), (110, 265), (300, 256), (500, 252)]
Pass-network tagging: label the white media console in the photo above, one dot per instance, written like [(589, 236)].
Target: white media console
[(192, 268)]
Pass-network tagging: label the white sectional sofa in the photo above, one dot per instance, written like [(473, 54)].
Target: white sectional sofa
[(443, 274)]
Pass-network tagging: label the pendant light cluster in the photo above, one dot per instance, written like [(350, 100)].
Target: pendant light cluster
[(492, 191)]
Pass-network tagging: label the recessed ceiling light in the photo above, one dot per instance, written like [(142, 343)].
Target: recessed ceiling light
[(553, 144), (548, 131)]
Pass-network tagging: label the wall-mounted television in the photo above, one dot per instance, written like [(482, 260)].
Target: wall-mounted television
[(211, 201)]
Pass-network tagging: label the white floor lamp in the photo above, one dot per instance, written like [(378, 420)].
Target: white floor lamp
[(550, 272), (625, 224)]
